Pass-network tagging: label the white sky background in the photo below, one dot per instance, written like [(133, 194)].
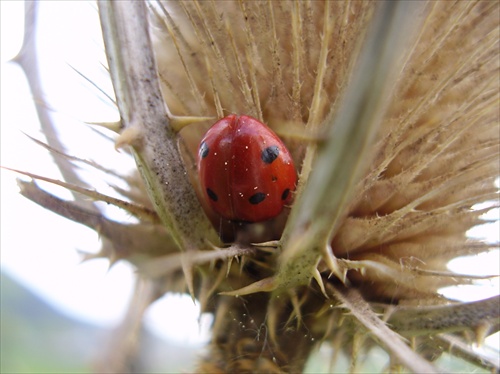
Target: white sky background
[(38, 248)]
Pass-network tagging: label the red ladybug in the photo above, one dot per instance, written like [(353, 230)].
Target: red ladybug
[(246, 172)]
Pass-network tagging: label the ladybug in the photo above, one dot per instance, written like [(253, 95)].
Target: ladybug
[(246, 172)]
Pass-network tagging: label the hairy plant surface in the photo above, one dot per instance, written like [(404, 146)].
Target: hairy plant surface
[(391, 113)]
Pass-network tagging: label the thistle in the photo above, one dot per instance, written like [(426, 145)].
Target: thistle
[(390, 111)]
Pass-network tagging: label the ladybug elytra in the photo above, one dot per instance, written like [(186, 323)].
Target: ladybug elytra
[(246, 172)]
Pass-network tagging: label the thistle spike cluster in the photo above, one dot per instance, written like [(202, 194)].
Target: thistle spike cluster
[(392, 163)]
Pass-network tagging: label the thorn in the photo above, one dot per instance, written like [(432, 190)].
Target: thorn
[(296, 308), (179, 122), (269, 250), (113, 259), (336, 266), (389, 310), (243, 262), (188, 275), (317, 277), (482, 331), (229, 263), (113, 126), (130, 136), (341, 320), (87, 256), (272, 244), (264, 285)]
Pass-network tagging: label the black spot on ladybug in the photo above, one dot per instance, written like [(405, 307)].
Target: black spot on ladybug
[(257, 198), (204, 150), (270, 154), (212, 195), (285, 194)]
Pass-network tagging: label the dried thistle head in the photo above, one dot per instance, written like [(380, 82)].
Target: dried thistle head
[(391, 114)]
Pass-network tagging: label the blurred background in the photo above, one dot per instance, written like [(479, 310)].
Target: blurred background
[(58, 313)]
